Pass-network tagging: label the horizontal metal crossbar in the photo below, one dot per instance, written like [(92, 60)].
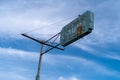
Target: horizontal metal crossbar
[(41, 42)]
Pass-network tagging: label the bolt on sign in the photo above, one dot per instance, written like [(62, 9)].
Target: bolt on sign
[(78, 28)]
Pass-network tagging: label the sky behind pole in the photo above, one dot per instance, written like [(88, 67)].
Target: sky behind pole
[(95, 57)]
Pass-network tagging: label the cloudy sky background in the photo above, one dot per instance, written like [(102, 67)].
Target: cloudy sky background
[(95, 57)]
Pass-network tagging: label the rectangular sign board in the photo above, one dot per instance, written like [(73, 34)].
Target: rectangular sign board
[(78, 28)]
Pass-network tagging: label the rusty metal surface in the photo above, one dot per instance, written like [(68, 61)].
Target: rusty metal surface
[(77, 29)]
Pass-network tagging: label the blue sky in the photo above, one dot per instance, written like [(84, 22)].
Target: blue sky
[(95, 57)]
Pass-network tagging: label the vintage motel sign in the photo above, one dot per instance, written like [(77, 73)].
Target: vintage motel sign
[(78, 28)]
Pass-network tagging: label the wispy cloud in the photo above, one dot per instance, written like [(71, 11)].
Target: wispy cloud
[(30, 15), (18, 53), (12, 76), (21, 16), (55, 60), (71, 63), (97, 52), (106, 24), (85, 48), (70, 78), (112, 56), (105, 33)]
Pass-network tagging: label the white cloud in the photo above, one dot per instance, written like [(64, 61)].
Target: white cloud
[(70, 78), (14, 72), (95, 52), (34, 56), (68, 62), (22, 16), (106, 30), (107, 25), (12, 76), (18, 18), (113, 56), (85, 48), (19, 53)]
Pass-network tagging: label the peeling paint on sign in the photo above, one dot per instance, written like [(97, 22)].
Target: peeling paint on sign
[(77, 29)]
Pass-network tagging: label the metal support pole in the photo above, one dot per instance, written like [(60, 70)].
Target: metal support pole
[(42, 51), (39, 64)]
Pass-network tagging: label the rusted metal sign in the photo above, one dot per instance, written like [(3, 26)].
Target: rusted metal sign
[(78, 28)]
